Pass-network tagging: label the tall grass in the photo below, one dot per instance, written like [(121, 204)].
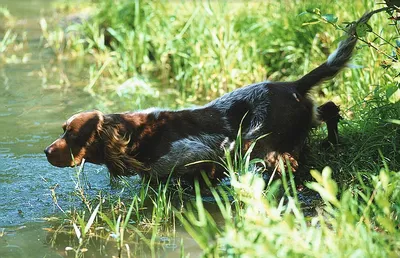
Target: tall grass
[(204, 49), (361, 221)]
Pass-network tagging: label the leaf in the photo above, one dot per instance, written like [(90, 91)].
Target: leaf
[(310, 22), (390, 91), (77, 231), (316, 175), (116, 35), (91, 219), (362, 29), (43, 24), (395, 97), (107, 220), (303, 13), (330, 18), (314, 11), (329, 184), (386, 223), (384, 178), (326, 186), (128, 215), (394, 121)]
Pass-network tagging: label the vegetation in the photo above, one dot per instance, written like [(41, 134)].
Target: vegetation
[(204, 49), (362, 222), (12, 44)]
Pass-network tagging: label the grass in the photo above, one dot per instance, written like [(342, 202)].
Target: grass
[(129, 226), (204, 49), (362, 222), (13, 44)]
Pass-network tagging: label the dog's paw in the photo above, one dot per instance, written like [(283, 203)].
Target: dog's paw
[(287, 157), (273, 160)]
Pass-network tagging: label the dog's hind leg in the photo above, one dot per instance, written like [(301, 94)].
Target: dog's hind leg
[(329, 113)]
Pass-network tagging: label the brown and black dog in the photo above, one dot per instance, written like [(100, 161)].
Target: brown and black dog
[(158, 142)]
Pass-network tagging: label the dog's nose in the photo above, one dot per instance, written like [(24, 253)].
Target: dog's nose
[(47, 151)]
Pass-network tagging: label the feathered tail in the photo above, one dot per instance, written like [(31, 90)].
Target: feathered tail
[(336, 61)]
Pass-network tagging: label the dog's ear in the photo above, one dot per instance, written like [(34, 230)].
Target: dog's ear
[(84, 125), (91, 123)]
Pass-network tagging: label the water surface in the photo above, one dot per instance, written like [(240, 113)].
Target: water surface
[(36, 97)]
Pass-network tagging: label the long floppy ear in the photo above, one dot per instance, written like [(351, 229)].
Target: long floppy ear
[(89, 122), (116, 152)]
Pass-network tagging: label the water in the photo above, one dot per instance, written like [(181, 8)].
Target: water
[(31, 112), (33, 106)]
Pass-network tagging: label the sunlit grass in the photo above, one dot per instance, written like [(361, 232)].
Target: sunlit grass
[(204, 49), (361, 221)]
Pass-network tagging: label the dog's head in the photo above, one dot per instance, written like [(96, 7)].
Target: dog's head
[(79, 140)]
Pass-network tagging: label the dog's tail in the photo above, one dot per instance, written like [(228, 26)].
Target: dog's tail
[(336, 61)]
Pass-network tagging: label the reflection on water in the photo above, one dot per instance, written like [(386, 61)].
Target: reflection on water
[(31, 245), (35, 240), (165, 245)]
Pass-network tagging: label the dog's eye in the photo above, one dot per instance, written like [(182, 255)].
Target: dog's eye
[(70, 134), (70, 137)]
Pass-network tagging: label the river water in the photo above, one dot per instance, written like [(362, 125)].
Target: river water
[(36, 97)]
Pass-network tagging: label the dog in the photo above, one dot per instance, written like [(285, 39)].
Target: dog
[(157, 142)]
